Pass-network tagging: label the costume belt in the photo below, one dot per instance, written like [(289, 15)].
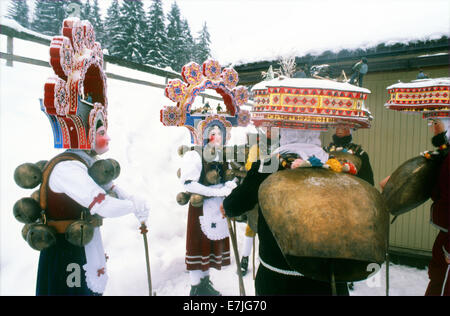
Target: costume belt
[(61, 225), (277, 270)]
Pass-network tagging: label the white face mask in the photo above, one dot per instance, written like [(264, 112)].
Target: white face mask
[(291, 136), (305, 143)]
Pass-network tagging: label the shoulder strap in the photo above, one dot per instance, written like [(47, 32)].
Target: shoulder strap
[(47, 171)]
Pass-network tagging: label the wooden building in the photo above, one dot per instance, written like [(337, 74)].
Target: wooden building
[(394, 137)]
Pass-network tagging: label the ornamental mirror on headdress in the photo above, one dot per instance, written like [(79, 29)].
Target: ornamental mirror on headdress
[(429, 97), (75, 98), (313, 104), (196, 80)]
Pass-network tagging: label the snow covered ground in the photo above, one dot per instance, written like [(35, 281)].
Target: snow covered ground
[(147, 152)]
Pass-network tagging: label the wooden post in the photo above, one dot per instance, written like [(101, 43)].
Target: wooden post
[(10, 51)]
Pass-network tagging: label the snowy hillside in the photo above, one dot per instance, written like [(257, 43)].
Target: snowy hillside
[(147, 152)]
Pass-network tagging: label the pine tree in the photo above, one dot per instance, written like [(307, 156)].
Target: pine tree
[(157, 44), (18, 11), (48, 16), (86, 11), (188, 43), (97, 23), (202, 42), (133, 27), (112, 28), (175, 39)]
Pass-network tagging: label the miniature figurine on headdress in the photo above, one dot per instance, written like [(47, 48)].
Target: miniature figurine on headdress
[(76, 189), (205, 173), (428, 175)]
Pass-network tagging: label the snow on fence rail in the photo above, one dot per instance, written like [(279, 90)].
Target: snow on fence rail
[(23, 34)]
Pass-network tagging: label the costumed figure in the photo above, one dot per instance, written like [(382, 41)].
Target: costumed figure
[(63, 217), (428, 175), (205, 173), (318, 225), (260, 150), (343, 147)]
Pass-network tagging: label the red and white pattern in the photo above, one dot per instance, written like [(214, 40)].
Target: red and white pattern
[(176, 90), (97, 114), (192, 73), (171, 116), (430, 97), (211, 69), (230, 77), (196, 80), (309, 104), (240, 95)]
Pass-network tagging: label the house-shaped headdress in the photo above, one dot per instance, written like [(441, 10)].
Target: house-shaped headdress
[(313, 104), (429, 97)]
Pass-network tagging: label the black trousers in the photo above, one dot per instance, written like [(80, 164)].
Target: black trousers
[(269, 282)]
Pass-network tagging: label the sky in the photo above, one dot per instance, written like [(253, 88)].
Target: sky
[(253, 30)]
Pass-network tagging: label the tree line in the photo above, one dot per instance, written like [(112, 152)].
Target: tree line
[(128, 31)]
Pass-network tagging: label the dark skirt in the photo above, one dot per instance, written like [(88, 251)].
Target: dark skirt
[(60, 270), (437, 269), (201, 252), (272, 283)]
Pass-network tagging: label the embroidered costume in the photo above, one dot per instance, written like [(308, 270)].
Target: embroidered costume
[(73, 198)]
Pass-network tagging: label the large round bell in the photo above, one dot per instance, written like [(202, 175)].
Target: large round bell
[(212, 177), (321, 218), (410, 185), (26, 228), (116, 166), (41, 236), (79, 233), (102, 171), (343, 156), (183, 198), (28, 175), (196, 200), (26, 210), (229, 175)]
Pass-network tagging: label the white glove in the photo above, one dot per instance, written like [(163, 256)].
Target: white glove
[(231, 184), (141, 209), (121, 193), (197, 188), (225, 191)]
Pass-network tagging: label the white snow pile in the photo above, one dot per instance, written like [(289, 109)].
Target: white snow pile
[(147, 152)]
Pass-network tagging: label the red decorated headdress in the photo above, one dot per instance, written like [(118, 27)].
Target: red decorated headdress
[(303, 103), (75, 99), (196, 79), (429, 97)]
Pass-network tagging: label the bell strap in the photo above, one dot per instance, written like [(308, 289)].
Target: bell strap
[(61, 226), (46, 175)]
